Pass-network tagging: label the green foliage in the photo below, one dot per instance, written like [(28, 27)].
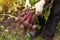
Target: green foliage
[(32, 2)]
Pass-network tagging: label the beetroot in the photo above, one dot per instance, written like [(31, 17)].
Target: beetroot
[(21, 19), (26, 16), (33, 20), (29, 18), (34, 27), (21, 14), (25, 23), (22, 28)]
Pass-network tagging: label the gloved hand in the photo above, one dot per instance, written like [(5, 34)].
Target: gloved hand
[(39, 7)]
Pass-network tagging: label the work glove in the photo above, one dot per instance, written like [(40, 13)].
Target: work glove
[(39, 7)]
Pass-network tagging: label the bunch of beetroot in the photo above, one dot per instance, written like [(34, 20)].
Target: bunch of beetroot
[(27, 20)]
